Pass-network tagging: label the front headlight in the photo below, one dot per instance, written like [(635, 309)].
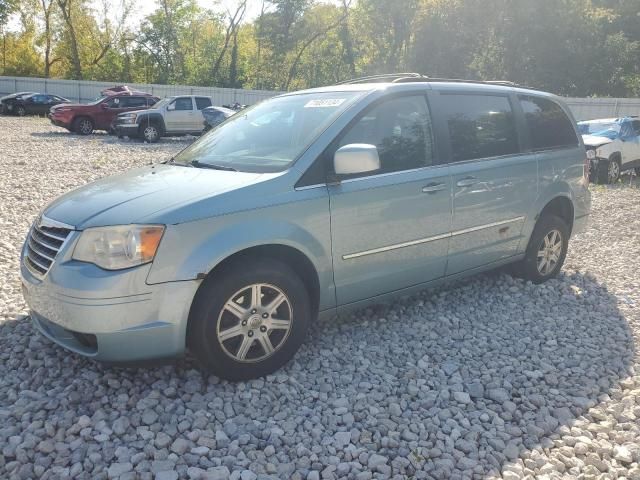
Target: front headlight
[(591, 154), (118, 247)]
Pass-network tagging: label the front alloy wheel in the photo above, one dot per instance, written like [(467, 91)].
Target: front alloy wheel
[(20, 111), (248, 319), (254, 323), (151, 134)]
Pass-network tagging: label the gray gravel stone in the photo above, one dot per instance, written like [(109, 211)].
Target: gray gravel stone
[(489, 377)]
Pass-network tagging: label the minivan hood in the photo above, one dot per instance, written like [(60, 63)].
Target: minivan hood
[(595, 141), (130, 197)]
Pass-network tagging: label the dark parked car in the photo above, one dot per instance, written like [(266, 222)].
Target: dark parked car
[(36, 104), (7, 103), (214, 116), (99, 114)]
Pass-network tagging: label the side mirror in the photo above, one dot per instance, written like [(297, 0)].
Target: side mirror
[(356, 158), (104, 106), (171, 107)]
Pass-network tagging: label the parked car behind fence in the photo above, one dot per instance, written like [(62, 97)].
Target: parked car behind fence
[(613, 146), (8, 102), (179, 115), (99, 114)]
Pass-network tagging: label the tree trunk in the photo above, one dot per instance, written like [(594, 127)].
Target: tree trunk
[(231, 30), (346, 40), (65, 7), (307, 44)]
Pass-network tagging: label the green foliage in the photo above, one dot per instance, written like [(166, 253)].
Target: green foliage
[(571, 47)]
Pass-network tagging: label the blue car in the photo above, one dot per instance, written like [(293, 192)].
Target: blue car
[(305, 205)]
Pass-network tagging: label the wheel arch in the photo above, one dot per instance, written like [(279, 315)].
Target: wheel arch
[(290, 256), (148, 118), (561, 206)]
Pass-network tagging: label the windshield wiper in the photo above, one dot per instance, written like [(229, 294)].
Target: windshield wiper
[(212, 166)]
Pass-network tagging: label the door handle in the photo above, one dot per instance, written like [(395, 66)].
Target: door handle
[(433, 187), (467, 182)]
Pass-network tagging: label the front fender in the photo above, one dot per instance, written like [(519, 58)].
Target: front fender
[(190, 250), (147, 118)]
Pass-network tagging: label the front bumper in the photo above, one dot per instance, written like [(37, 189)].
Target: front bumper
[(126, 130), (108, 316), (59, 122)]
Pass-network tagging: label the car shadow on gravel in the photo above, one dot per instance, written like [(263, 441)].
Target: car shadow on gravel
[(461, 379)]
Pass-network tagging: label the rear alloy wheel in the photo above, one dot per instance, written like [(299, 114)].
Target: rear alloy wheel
[(546, 251), (249, 320), (151, 133), (608, 171), (20, 111), (83, 126)]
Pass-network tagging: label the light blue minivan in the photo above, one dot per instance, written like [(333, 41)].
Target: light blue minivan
[(304, 205)]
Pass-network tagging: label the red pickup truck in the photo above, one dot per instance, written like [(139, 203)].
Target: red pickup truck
[(99, 114)]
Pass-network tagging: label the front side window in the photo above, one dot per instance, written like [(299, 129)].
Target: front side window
[(113, 103), (548, 125), (401, 130), (480, 126), (203, 102), (183, 103), (269, 136)]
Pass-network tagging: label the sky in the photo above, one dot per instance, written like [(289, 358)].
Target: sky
[(143, 8)]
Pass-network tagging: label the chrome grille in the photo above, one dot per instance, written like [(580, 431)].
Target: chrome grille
[(43, 244)]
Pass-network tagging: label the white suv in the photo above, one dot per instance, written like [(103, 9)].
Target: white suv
[(613, 146), (171, 116)]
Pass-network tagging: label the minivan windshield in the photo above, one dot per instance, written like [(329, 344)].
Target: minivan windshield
[(270, 136)]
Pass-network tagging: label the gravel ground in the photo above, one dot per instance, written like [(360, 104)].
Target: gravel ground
[(490, 378)]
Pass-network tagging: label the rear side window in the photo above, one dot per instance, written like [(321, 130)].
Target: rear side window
[(132, 102), (548, 125), (400, 128), (202, 102), (480, 126)]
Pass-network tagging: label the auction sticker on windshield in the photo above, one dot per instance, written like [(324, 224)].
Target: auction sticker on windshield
[(325, 103)]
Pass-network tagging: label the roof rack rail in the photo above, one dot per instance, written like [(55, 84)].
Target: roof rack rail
[(385, 77), (419, 77)]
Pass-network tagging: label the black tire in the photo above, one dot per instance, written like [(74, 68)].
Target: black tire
[(528, 268), (150, 132), (637, 170), (605, 168), (83, 126), (21, 111), (208, 316)]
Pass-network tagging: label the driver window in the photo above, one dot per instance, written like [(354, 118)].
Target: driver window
[(183, 103), (113, 103), (401, 129)]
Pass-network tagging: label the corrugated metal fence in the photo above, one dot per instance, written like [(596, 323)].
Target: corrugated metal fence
[(591, 108), (85, 91)]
